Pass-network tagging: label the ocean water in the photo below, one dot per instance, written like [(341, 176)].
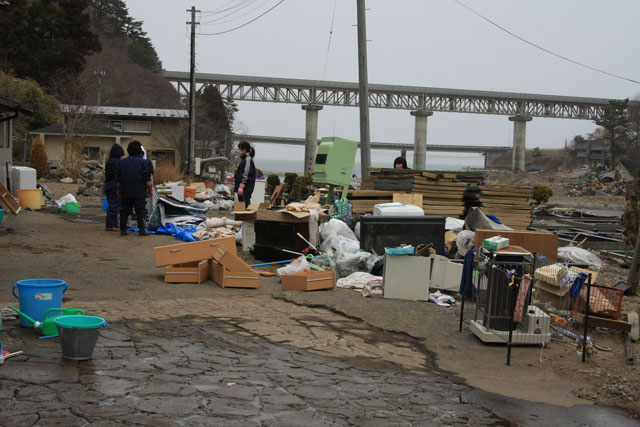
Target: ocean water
[(278, 159)]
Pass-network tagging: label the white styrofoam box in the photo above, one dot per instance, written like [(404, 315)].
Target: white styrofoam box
[(445, 274), (406, 277), (177, 192), (248, 235), (22, 178), (536, 321), (396, 209)]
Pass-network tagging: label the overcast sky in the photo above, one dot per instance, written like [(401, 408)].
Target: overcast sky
[(434, 43)]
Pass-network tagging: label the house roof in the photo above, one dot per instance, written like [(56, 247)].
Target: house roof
[(87, 129), (631, 164), (12, 105), (126, 111)]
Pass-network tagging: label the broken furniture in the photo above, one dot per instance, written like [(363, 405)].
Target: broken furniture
[(229, 271), (277, 230), (334, 164), (378, 232), (541, 243), (8, 200), (191, 272), (406, 277), (311, 280), (445, 274)]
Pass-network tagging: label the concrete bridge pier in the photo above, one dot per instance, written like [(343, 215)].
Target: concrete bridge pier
[(403, 153), (420, 139), (519, 141), (311, 136)]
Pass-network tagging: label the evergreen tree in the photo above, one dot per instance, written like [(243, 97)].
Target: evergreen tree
[(615, 122), (43, 37), (38, 158)]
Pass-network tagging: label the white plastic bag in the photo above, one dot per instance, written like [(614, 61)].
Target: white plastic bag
[(465, 242), (339, 243), (297, 266), (337, 226), (580, 256)]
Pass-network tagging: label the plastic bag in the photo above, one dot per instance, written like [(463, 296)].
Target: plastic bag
[(349, 263), (324, 261), (337, 226), (465, 242), (579, 256), (339, 243), (297, 266), (356, 230), (359, 280)]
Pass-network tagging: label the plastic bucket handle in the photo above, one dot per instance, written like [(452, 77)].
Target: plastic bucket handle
[(62, 310), (15, 286)]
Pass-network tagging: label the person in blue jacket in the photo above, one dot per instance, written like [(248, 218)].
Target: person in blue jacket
[(245, 176), (113, 163), (134, 185)]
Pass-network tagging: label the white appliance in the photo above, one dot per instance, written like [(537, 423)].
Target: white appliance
[(406, 277), (533, 330), (445, 274), (177, 192), (396, 209), (22, 178)]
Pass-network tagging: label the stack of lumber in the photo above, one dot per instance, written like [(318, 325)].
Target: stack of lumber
[(441, 192), (510, 204), (365, 200)]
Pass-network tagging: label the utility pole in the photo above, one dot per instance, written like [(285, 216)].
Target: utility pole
[(365, 137), (566, 157), (192, 91)]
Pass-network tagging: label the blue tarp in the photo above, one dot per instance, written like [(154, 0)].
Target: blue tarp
[(185, 235)]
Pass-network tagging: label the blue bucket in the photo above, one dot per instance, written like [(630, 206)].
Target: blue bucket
[(105, 204), (37, 296)]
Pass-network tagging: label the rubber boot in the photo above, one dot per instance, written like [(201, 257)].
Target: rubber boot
[(123, 225), (142, 231)]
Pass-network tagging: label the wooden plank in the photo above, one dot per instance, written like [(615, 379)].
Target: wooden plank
[(414, 199), (370, 193), (8, 200), (431, 202), (430, 175), (543, 243), (602, 322)]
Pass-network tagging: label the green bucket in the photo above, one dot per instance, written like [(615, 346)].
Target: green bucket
[(1, 215), (78, 335), (71, 207)]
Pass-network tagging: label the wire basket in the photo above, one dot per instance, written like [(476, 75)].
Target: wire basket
[(603, 301)]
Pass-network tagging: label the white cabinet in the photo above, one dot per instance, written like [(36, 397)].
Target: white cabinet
[(22, 178)]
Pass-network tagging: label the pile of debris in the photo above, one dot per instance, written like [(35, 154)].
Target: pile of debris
[(91, 179), (590, 184)]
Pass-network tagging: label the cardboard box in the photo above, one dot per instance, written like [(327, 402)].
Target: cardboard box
[(192, 272), (496, 242), (242, 213), (282, 215), (233, 279), (309, 281), (182, 253), (194, 188)]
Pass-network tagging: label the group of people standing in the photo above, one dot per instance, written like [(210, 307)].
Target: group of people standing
[(128, 183)]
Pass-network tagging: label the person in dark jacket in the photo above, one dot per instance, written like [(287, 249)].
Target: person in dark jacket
[(245, 176), (134, 185), (113, 163)]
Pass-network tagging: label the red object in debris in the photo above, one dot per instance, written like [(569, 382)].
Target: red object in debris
[(4, 352)]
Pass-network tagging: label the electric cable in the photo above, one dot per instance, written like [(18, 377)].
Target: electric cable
[(239, 8), (220, 21), (245, 24), (326, 59), (542, 48), (220, 10)]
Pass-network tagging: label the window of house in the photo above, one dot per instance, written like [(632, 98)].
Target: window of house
[(92, 153), (165, 156), (137, 126), (116, 124)]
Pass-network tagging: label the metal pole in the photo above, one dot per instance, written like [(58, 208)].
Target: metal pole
[(586, 321), (632, 277), (461, 314), (365, 137), (192, 92)]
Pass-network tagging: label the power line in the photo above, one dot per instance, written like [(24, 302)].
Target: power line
[(232, 11), (234, 16), (326, 59), (220, 9), (245, 24), (542, 48)]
